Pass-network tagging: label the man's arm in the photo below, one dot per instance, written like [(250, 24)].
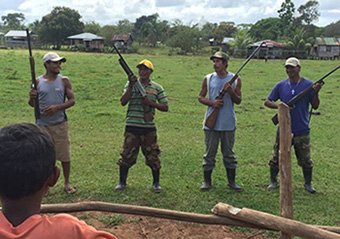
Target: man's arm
[(160, 106), (270, 104), (128, 92), (51, 109), (235, 95), (316, 100), (205, 101)]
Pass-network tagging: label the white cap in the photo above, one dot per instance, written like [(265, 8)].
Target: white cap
[(52, 56), (292, 61)]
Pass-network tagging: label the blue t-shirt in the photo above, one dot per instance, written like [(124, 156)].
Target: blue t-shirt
[(286, 90)]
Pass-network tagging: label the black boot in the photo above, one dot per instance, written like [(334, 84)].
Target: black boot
[(123, 172), (307, 174), (155, 184), (207, 181), (231, 179), (273, 178)]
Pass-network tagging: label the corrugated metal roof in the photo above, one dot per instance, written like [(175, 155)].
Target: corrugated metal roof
[(268, 43), (118, 37), (86, 36), (14, 33), (328, 41)]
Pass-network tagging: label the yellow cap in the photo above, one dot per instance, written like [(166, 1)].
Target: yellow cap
[(146, 63)]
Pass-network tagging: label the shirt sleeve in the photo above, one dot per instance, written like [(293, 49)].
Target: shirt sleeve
[(274, 95)]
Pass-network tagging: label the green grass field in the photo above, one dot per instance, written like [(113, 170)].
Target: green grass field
[(97, 127)]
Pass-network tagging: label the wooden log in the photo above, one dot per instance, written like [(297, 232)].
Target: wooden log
[(276, 223), (145, 211), (285, 165)]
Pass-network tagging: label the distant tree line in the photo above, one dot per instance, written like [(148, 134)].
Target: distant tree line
[(292, 26)]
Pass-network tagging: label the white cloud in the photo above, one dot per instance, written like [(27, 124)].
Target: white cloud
[(188, 11)]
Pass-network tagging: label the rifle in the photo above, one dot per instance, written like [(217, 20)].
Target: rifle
[(302, 94), (148, 116), (211, 119), (34, 82)]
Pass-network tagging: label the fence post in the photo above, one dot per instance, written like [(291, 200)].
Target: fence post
[(285, 164)]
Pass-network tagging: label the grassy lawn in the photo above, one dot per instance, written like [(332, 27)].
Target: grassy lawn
[(97, 127)]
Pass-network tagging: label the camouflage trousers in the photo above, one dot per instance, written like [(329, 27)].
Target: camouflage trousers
[(301, 145), (150, 149)]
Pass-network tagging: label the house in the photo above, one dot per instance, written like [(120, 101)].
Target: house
[(269, 50), (122, 41), (88, 41), (17, 39), (326, 47)]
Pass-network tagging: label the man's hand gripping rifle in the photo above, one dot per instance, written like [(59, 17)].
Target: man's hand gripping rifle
[(148, 116)]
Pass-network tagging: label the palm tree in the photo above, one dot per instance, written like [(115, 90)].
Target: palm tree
[(242, 40)]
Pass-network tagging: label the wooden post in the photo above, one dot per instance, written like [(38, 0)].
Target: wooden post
[(285, 165), (289, 226)]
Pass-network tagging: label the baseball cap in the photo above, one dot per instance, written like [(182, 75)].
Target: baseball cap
[(220, 55), (292, 61), (146, 63), (52, 56)]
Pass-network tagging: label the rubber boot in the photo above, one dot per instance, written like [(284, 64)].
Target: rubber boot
[(155, 184), (273, 178), (123, 172), (307, 174), (231, 179), (207, 180)]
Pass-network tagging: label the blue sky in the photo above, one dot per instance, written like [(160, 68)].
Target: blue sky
[(188, 11)]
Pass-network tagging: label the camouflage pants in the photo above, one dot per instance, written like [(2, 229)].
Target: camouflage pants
[(150, 149), (301, 145)]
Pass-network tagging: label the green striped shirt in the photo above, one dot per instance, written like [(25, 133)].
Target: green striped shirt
[(135, 112)]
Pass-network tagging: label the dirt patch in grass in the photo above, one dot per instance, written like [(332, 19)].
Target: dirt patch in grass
[(140, 227)]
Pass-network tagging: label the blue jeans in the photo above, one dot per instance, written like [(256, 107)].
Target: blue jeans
[(212, 140)]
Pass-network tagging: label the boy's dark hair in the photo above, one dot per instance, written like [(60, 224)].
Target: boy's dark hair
[(27, 158)]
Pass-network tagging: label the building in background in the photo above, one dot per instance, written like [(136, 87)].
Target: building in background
[(86, 41)]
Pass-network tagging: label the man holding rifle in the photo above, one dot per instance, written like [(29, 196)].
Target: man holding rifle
[(140, 131), (52, 89), (225, 125), (286, 90)]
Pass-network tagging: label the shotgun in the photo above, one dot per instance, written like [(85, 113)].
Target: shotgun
[(34, 82), (211, 119), (148, 116), (302, 94)]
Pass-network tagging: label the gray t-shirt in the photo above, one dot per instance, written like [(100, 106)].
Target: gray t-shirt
[(51, 93)]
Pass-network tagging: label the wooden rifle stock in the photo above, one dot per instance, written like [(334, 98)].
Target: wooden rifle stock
[(34, 82), (302, 94), (148, 116)]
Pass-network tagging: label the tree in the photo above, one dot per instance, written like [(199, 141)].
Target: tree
[(13, 21), (242, 40), (92, 27), (61, 23), (208, 30), (107, 32), (332, 30), (309, 12), (224, 29), (286, 14), (124, 27), (298, 44), (34, 26), (139, 23), (268, 28), (186, 38)]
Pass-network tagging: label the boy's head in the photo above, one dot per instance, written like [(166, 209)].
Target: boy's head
[(27, 159)]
